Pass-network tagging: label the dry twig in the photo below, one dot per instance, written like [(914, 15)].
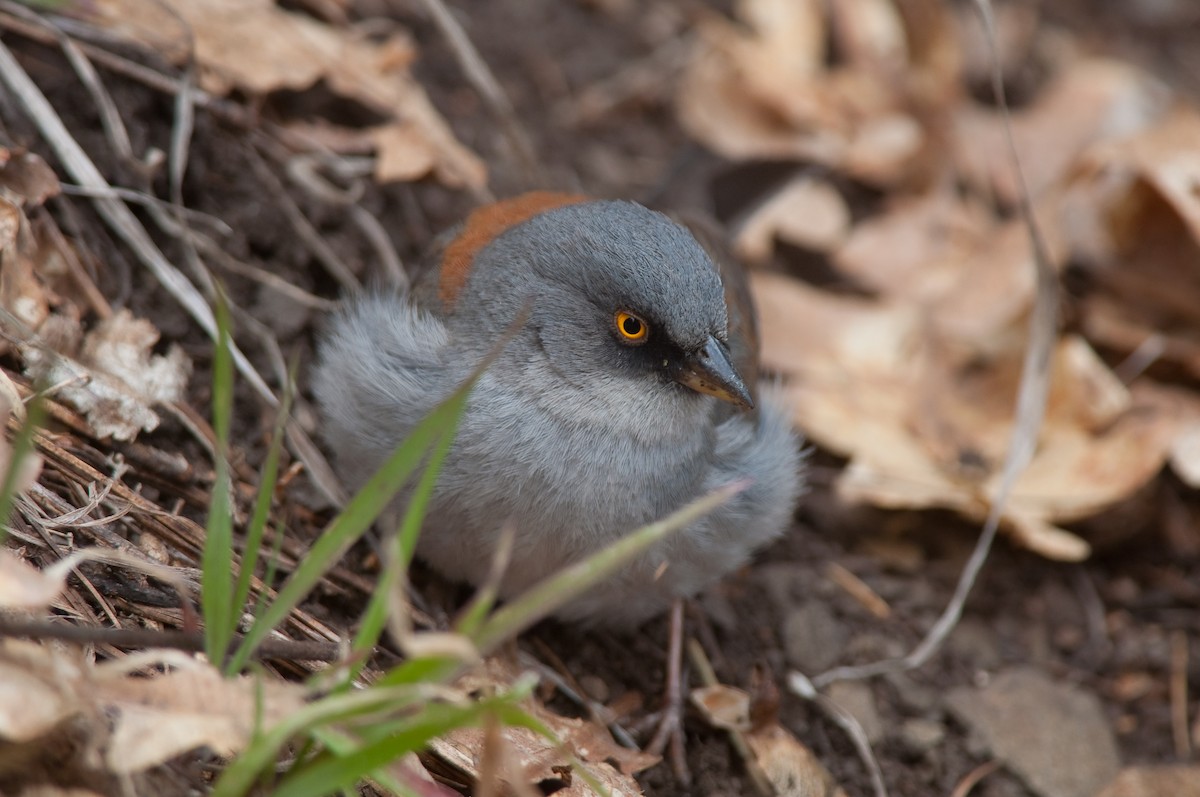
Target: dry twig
[(493, 95)]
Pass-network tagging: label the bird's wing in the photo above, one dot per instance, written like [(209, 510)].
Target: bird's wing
[(380, 368)]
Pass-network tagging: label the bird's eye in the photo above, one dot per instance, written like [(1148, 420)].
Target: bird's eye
[(632, 329)]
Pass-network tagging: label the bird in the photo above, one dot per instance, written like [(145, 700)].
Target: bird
[(631, 390)]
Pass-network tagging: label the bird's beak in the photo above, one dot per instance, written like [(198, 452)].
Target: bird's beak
[(710, 371)]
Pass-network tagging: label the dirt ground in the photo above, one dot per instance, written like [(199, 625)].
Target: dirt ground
[(1115, 628)]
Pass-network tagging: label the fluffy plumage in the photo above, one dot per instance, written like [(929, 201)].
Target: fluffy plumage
[(572, 434)]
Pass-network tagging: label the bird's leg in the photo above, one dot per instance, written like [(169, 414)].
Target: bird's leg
[(669, 735)]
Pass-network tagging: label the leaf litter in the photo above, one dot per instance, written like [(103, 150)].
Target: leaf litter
[(914, 381)]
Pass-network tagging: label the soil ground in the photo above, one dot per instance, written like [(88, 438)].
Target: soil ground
[(1105, 625)]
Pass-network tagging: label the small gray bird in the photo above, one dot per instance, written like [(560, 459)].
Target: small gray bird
[(628, 393)]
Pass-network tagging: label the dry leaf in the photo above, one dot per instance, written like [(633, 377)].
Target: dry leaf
[(789, 766), (23, 586), (1185, 454), (762, 89), (990, 288), (1131, 214), (155, 717), (1168, 158), (723, 706), (28, 469), (915, 250), (1180, 780), (121, 346), (20, 291), (1088, 102), (117, 380), (26, 179), (805, 212), (871, 32), (716, 109), (37, 690), (538, 759), (925, 417), (258, 47), (158, 718), (1111, 199)]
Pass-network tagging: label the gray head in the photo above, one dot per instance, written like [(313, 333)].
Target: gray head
[(619, 294)]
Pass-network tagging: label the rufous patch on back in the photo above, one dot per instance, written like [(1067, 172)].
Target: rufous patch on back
[(483, 226)]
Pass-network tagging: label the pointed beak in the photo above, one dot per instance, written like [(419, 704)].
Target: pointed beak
[(710, 371)]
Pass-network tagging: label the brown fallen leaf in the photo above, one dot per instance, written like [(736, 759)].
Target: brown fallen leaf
[(924, 416), (537, 758), (990, 288), (914, 250), (762, 87), (137, 720), (870, 32), (1167, 157), (788, 765), (1155, 781), (723, 707), (160, 717), (1131, 218), (21, 293), (1091, 100), (37, 690), (805, 212), (716, 107), (26, 179), (28, 470), (109, 373), (122, 345), (116, 380), (259, 47), (23, 586)]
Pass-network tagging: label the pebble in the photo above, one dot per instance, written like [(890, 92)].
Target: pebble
[(857, 698), (919, 736), (1053, 735), (813, 639)]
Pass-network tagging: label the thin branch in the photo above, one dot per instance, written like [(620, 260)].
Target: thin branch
[(141, 638), (490, 91), (126, 226), (1030, 411)]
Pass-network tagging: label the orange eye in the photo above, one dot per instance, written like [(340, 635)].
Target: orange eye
[(631, 328)]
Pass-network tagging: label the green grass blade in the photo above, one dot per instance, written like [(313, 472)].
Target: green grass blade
[(375, 617), (340, 743), (414, 516), (262, 503), (437, 428), (272, 566), (260, 755), (429, 669), (370, 501), (355, 519), (22, 447), (513, 715), (342, 771), (385, 742), (541, 600), (216, 593)]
